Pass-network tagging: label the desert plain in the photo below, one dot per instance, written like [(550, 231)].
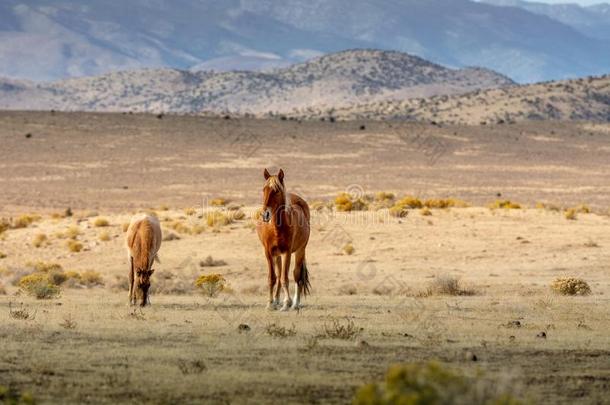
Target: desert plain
[(374, 275)]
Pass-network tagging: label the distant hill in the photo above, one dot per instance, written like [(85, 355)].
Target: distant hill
[(48, 40), (593, 21), (579, 99), (332, 81)]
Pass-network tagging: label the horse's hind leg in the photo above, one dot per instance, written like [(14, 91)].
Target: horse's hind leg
[(299, 258), (272, 279)]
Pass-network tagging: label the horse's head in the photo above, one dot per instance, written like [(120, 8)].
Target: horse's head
[(274, 194), (142, 285)]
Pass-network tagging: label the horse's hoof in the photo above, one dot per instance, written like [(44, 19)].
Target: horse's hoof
[(296, 307), (285, 308), (271, 306)]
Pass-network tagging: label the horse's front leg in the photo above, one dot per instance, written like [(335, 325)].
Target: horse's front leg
[(271, 279), (278, 275), (131, 282), (284, 281)]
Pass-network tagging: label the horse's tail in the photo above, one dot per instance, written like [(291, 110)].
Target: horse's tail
[(304, 279)]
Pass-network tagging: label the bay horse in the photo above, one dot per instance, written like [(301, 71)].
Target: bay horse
[(143, 244), (284, 230)]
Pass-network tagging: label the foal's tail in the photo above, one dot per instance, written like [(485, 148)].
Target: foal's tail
[(304, 280)]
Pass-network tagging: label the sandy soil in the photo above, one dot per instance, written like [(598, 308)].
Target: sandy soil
[(188, 347)]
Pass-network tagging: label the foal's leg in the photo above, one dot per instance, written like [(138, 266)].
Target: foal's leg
[(271, 279), (284, 280), (299, 258), (278, 275), (131, 282)]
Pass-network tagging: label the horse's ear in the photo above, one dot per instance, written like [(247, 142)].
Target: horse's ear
[(266, 174), (280, 175)]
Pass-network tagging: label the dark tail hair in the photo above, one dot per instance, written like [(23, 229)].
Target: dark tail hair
[(304, 280)]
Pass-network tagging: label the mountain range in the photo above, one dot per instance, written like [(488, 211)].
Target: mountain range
[(332, 81), (50, 40)]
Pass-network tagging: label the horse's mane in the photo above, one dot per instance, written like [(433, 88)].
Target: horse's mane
[(276, 185)]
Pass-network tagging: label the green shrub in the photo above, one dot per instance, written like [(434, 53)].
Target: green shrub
[(430, 384)]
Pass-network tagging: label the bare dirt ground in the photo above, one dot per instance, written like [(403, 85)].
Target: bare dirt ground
[(88, 346)]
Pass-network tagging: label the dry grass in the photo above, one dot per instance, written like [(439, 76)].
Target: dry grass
[(40, 240), (277, 331), (219, 202), (349, 249), (409, 202), (211, 262), (432, 383), (425, 212), (39, 285), (547, 206), (101, 223), (571, 214), (448, 285), (338, 329), (22, 314), (211, 285), (74, 246), (4, 225), (25, 221), (190, 211), (216, 219), (3, 255), (446, 203), (399, 212), (68, 322), (44, 267), (104, 236), (345, 203), (570, 286), (504, 204)]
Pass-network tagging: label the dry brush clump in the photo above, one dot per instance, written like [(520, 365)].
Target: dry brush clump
[(101, 222), (349, 249), (211, 285), (211, 262), (570, 286), (40, 286), (446, 203), (571, 214), (40, 240), (25, 221), (105, 236), (448, 285), (48, 279), (432, 383), (74, 246), (274, 330), (338, 329), (504, 204), (401, 207), (346, 203), (12, 396)]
